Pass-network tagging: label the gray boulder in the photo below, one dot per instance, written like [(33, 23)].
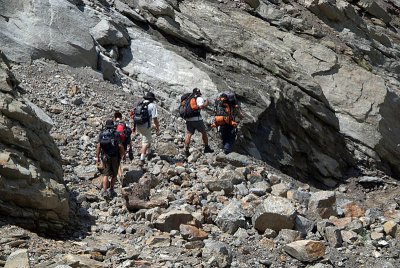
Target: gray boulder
[(275, 213), (52, 29), (216, 254), (231, 217), (31, 177)]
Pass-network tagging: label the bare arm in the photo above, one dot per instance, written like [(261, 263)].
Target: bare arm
[(157, 125), (121, 151)]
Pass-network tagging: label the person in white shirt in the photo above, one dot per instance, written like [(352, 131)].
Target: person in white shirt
[(143, 125), (195, 122)]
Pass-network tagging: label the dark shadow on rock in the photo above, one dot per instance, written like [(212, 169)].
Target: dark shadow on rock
[(132, 176), (389, 127), (76, 228), (279, 138)]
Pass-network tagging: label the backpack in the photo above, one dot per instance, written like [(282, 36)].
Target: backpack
[(142, 113), (225, 104), (124, 132), (188, 107), (109, 142)]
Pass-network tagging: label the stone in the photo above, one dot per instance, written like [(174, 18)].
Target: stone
[(192, 233), (173, 219), (108, 33), (353, 210), (18, 258), (322, 204), (390, 228), (305, 250), (82, 261), (231, 217), (37, 30), (303, 225), (333, 236), (275, 213), (216, 254), (162, 240), (280, 189)]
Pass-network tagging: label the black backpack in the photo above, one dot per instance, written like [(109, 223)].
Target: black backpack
[(109, 141), (142, 115), (185, 110)]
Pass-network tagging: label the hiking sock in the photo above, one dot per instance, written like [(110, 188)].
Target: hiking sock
[(142, 157)]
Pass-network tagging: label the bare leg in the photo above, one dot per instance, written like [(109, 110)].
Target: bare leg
[(187, 139), (105, 183), (204, 137)]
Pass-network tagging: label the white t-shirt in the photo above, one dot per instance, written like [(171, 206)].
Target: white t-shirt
[(199, 102), (152, 109)]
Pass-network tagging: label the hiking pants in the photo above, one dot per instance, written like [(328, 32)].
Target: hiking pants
[(228, 138)]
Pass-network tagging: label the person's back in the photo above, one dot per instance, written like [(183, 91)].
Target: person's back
[(144, 114), (226, 110), (110, 148), (195, 121)]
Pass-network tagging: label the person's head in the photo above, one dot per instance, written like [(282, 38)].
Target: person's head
[(109, 124), (150, 96), (196, 91), (117, 116)]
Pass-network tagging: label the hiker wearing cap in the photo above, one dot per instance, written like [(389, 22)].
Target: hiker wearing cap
[(111, 150), (191, 105), (145, 112)]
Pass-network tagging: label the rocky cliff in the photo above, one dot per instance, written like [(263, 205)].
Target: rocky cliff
[(31, 177), (318, 80)]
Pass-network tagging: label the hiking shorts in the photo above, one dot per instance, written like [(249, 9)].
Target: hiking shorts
[(111, 165), (145, 132), (192, 126)]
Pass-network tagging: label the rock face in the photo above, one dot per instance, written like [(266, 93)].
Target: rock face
[(291, 89), (52, 29), (31, 177), (314, 107)]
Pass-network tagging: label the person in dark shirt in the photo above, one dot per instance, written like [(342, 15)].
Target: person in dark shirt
[(111, 149)]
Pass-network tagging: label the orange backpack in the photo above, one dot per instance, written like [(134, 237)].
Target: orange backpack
[(224, 111)]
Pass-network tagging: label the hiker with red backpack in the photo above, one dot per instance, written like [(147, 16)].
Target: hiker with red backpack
[(125, 133), (227, 108), (111, 150), (144, 114), (191, 105)]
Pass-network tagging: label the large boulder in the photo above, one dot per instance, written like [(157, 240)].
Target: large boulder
[(31, 176), (52, 29)]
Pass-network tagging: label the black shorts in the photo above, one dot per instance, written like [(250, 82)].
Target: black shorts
[(192, 126)]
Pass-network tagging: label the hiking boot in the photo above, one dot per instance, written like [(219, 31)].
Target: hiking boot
[(187, 153), (207, 149), (111, 193), (104, 194)]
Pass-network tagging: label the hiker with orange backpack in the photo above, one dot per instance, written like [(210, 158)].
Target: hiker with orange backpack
[(191, 105), (227, 109)]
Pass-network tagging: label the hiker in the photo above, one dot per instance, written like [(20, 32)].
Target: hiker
[(227, 109), (145, 112), (191, 105), (125, 133), (112, 151)]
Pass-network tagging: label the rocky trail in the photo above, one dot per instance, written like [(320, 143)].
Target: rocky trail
[(314, 179), (210, 211)]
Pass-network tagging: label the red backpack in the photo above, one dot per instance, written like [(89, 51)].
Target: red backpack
[(121, 130)]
